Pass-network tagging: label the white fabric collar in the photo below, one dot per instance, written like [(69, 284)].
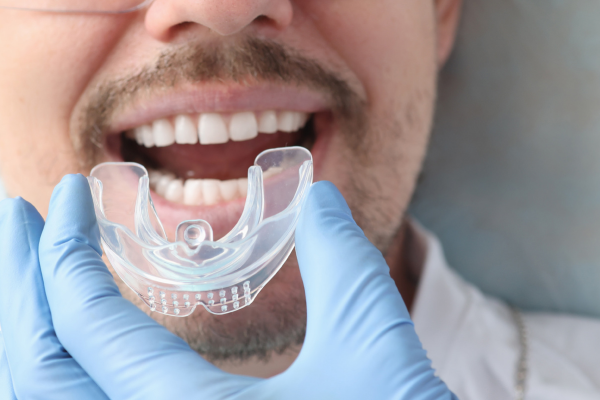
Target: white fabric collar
[(473, 341)]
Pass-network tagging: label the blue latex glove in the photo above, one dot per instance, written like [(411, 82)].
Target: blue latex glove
[(69, 334)]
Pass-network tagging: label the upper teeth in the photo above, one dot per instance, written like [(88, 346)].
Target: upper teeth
[(214, 128)]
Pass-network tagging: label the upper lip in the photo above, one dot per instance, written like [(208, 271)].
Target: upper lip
[(216, 97)]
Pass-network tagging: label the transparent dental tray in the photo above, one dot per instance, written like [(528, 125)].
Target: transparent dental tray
[(225, 275)]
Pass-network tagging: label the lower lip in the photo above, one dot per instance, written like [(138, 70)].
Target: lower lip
[(223, 216)]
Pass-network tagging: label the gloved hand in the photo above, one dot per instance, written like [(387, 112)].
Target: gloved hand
[(69, 334)]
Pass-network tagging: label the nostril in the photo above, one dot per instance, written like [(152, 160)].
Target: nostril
[(265, 22), (262, 19), (179, 30)]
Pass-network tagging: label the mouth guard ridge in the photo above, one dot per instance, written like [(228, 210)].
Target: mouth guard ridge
[(226, 275)]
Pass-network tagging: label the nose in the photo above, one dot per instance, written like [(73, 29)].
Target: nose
[(224, 17)]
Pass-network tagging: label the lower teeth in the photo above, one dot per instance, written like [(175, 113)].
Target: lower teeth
[(195, 192)]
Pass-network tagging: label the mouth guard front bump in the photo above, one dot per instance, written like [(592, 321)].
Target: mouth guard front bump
[(226, 275)]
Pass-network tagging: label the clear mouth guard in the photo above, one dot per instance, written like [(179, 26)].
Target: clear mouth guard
[(225, 275)]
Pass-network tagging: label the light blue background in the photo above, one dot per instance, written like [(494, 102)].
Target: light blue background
[(512, 180)]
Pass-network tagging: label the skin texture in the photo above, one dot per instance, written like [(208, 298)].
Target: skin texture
[(386, 52)]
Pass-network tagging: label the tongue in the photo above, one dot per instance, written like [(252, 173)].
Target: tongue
[(230, 160)]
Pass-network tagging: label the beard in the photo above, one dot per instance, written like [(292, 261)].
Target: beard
[(276, 320)]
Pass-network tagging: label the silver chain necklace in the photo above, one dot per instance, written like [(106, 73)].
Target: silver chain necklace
[(521, 372)]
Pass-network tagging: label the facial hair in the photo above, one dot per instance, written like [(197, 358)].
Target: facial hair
[(277, 318)]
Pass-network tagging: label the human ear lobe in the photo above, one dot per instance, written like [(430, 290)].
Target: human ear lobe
[(447, 13)]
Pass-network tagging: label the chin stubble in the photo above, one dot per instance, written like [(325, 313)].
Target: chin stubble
[(274, 322)]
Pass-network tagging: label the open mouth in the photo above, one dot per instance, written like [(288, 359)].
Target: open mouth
[(198, 163)]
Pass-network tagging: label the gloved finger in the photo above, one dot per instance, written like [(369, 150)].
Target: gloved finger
[(33, 351), (345, 276), (6, 386), (126, 352), (354, 309)]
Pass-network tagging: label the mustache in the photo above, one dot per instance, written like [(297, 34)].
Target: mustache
[(258, 59)]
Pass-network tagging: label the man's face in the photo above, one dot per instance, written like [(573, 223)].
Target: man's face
[(76, 88)]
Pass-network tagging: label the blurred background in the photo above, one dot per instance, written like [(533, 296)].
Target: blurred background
[(512, 179)]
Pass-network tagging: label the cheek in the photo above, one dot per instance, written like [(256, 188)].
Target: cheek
[(47, 60), (389, 44)]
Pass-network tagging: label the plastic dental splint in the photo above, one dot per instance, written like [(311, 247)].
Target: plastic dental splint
[(225, 275)]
